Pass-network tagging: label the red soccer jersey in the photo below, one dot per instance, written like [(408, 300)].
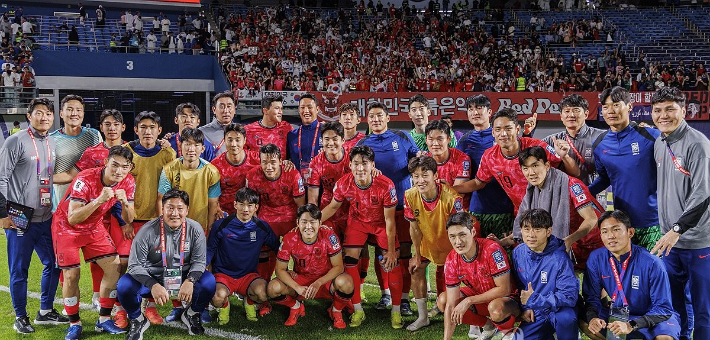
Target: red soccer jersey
[(258, 135), (93, 157), (350, 143), (233, 177), (457, 166), (506, 170), (367, 205), (310, 260), (324, 175), (276, 198), (490, 262), (86, 187), (580, 197)]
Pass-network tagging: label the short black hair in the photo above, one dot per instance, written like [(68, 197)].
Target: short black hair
[(117, 116), (536, 218), (309, 208), (534, 151), (70, 97), (425, 163), (437, 125), (270, 149), (618, 215), (506, 112), (176, 193), (195, 109), (376, 105), (478, 100), (120, 151), (147, 115), (419, 98), (40, 101), (196, 135), (16, 123), (236, 127), (574, 100), (668, 94), (225, 94), (267, 100), (309, 96), (364, 151), (617, 94), (333, 126), (247, 195), (461, 218)]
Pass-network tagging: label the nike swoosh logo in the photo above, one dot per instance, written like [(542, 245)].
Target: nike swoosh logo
[(605, 277), (703, 256), (520, 270)]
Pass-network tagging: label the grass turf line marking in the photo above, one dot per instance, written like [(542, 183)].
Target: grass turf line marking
[(208, 331)]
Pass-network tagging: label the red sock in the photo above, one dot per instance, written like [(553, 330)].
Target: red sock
[(406, 277), (440, 287), (106, 305), (288, 301), (352, 271), (96, 275), (506, 324), (363, 265), (61, 278), (266, 268), (395, 283), (72, 311), (117, 304), (339, 302), (381, 276), (471, 318), (177, 304)]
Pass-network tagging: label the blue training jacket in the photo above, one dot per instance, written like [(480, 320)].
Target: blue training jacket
[(625, 161), (645, 283), (234, 249), (393, 149), (551, 274)]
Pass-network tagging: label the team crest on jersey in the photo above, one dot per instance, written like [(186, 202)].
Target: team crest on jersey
[(635, 150), (252, 236), (334, 242), (543, 277), (78, 185), (499, 259), (578, 193), (284, 190), (587, 152), (635, 282), (374, 200), (395, 146)]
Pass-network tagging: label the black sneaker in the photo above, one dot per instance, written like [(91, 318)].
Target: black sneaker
[(193, 323), (51, 318), (23, 326), (137, 328)]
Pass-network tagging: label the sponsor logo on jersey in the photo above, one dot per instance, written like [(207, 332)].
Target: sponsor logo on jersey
[(78, 185), (635, 150), (635, 282), (543, 277), (499, 259), (334, 242)]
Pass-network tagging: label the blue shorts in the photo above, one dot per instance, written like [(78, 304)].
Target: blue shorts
[(563, 322), (670, 327)]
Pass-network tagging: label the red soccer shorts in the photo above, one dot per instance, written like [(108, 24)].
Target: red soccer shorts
[(94, 246), (240, 285), (123, 246), (481, 308), (282, 228), (338, 227), (402, 225), (357, 233), (324, 291)]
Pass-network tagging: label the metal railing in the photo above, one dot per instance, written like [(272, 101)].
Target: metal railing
[(14, 97)]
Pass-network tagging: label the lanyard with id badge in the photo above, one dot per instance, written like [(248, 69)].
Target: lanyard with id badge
[(172, 277), (45, 189), (618, 313), (306, 166)]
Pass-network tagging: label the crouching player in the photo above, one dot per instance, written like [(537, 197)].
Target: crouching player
[(235, 271), (482, 266), (317, 268)]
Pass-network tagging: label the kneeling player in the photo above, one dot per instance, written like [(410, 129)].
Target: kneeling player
[(235, 271), (317, 268), (78, 225), (482, 266)]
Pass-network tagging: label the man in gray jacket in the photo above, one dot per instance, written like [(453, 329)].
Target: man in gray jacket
[(167, 260), (683, 159)]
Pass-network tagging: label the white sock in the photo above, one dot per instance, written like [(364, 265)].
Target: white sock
[(357, 306), (421, 308), (75, 323), (362, 287), (103, 319), (297, 305), (191, 312), (140, 318), (395, 308), (118, 307), (44, 312), (386, 292), (95, 295), (405, 296)]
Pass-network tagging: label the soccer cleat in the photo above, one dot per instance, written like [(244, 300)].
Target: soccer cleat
[(294, 314), (357, 318), (108, 326), (137, 329), (337, 318), (51, 318), (205, 316), (434, 312), (405, 309), (23, 326), (174, 316), (73, 332), (385, 301), (250, 311), (396, 319), (153, 316), (223, 315), (193, 323), (121, 319), (488, 331), (474, 332), (264, 309)]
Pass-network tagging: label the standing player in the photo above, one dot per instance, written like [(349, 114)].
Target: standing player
[(427, 207), (419, 114), (393, 149), (187, 115), (371, 215), (487, 298), (453, 165), (224, 106), (349, 118), (76, 226), (233, 165), (235, 271), (317, 269), (271, 128), (304, 142), (627, 146)]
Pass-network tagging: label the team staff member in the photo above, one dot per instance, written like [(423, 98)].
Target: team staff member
[(77, 226), (168, 248), (546, 280), (304, 142), (271, 128), (419, 114), (636, 281), (623, 147), (224, 106), (26, 168), (683, 156), (349, 118), (187, 115), (233, 165)]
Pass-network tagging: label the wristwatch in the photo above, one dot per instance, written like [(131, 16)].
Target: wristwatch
[(676, 228), (634, 325)]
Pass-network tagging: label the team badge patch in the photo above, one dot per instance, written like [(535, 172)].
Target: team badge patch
[(543, 277), (635, 281), (393, 194), (466, 168), (300, 185), (578, 193), (458, 206), (551, 150), (334, 242), (635, 149), (78, 185), (499, 259)]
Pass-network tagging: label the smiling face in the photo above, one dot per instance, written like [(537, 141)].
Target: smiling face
[(573, 117), (187, 119), (616, 236), (361, 168), (332, 143), (117, 168), (535, 171), (234, 142), (174, 212), (377, 118), (72, 113), (275, 112), (479, 116), (191, 150), (505, 132), (461, 238), (424, 180), (667, 116), (308, 226), (271, 165), (308, 110), (535, 238), (41, 118), (112, 129), (438, 142)]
